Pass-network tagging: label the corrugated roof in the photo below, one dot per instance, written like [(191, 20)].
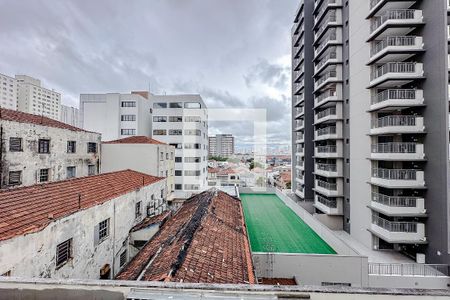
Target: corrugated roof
[(30, 209), (205, 241), (136, 140), (21, 117)]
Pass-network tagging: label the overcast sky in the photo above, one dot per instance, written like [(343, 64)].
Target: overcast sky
[(235, 53)]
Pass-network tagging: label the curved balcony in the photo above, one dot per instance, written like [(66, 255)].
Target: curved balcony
[(332, 132), (329, 59), (299, 111), (398, 178), (333, 94), (393, 99), (398, 232), (398, 151), (329, 151), (332, 38), (379, 6), (407, 206), (299, 125), (332, 19), (332, 76), (395, 22), (397, 124), (328, 170), (395, 73), (321, 10), (329, 189), (395, 48), (329, 114), (328, 206), (299, 98)]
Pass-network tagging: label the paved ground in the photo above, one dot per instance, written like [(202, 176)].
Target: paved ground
[(274, 227)]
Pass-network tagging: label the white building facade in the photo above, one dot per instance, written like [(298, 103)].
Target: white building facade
[(116, 115), (8, 92), (34, 99), (182, 121), (70, 115), (37, 149)]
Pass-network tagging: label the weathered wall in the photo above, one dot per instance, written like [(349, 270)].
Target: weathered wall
[(29, 161), (33, 255)]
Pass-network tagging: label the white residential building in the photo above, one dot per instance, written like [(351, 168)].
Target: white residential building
[(142, 154), (182, 121), (75, 229), (70, 115), (8, 92), (116, 115), (37, 149), (221, 145), (34, 99)]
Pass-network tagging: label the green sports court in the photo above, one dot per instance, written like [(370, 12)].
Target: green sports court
[(274, 227)]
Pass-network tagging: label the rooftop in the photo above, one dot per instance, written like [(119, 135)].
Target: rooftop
[(30, 209), (21, 117), (205, 241), (135, 140), (161, 218)]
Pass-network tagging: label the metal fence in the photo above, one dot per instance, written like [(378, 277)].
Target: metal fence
[(409, 269)]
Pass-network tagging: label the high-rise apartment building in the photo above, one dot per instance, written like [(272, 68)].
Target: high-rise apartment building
[(182, 121), (8, 92), (34, 99), (378, 99), (70, 115), (221, 145), (115, 115)]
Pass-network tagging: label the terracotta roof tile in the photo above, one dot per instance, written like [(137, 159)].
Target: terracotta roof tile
[(278, 281), (30, 209), (205, 241), (21, 117), (136, 140)]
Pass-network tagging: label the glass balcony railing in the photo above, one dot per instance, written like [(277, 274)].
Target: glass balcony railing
[(328, 75), (327, 185), (329, 56), (331, 111), (329, 37), (331, 203), (327, 94)]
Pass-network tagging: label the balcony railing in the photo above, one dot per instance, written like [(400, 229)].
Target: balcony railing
[(394, 226), (326, 149), (389, 121), (395, 174), (331, 36), (377, 46), (394, 94), (299, 124), (395, 201), (323, 8), (395, 14), (325, 95), (299, 110), (394, 148), (327, 167), (331, 55), (327, 112), (409, 269), (327, 185), (331, 18), (373, 3), (328, 75), (327, 202), (393, 67), (326, 130)]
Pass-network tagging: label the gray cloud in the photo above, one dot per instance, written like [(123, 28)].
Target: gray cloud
[(267, 73)]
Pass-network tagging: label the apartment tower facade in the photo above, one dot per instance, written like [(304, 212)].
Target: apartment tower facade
[(221, 145), (381, 132)]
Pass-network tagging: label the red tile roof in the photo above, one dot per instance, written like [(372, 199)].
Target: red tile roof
[(278, 281), (30, 209), (205, 241), (21, 117), (136, 140), (161, 218)]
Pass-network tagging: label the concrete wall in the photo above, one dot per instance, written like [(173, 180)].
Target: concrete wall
[(33, 255), (408, 282), (29, 161)]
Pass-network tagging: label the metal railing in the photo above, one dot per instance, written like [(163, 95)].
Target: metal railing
[(393, 67), (409, 269), (394, 148), (389, 121), (395, 174), (394, 14), (299, 110), (331, 55), (331, 74), (327, 202), (327, 167), (379, 45), (323, 8), (331, 111), (326, 130), (331, 36), (326, 149), (299, 124), (391, 226), (395, 201), (325, 22), (326, 94), (394, 94), (327, 185)]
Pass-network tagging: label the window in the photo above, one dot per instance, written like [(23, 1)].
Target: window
[(178, 159), (167, 155), (192, 187), (162, 194), (192, 159), (15, 144), (71, 172), (175, 132), (92, 148), (160, 105), (177, 146), (192, 119), (43, 146), (178, 186), (128, 117), (159, 132), (6, 274), (176, 105), (63, 252), (128, 131), (71, 146), (137, 210), (123, 258), (192, 173), (159, 119), (192, 105), (101, 231), (178, 173), (44, 175), (91, 170), (15, 178), (192, 146), (161, 156), (193, 132), (128, 104), (175, 119)]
